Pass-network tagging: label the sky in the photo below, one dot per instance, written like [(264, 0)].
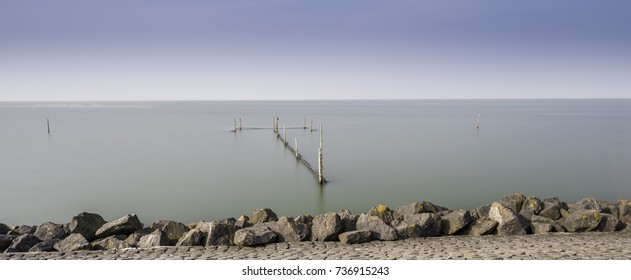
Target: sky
[(313, 49)]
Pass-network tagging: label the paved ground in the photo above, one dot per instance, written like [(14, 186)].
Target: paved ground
[(591, 245)]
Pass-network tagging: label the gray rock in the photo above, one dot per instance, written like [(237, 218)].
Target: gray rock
[(513, 201), (349, 221), (230, 221), (582, 220), (550, 210), (262, 215), (356, 236), (25, 229), (509, 222), (116, 242), (455, 221), (74, 242), (383, 212), (556, 225), (305, 219), (378, 228), (154, 239), (242, 222), (5, 241), (416, 208), (219, 233), (538, 228), (326, 227), (624, 211), (134, 238), (4, 229), (173, 230), (125, 225), (481, 227), (86, 224), (50, 230), (564, 213), (287, 230), (585, 204), (608, 208), (23, 243), (253, 236), (482, 212), (531, 206), (45, 246), (419, 225), (194, 237), (609, 223)]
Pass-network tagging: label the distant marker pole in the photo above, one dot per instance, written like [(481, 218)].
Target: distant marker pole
[(240, 124), (296, 142), (48, 125), (285, 134), (478, 122), (320, 179)]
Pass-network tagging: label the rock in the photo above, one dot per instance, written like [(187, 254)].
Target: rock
[(326, 227), (585, 204), (50, 230), (253, 236), (608, 208), (219, 233), (481, 212), (419, 225), (262, 215), (550, 210), (23, 243), (582, 220), (87, 224), (173, 230), (509, 222), (538, 228), (4, 229), (481, 227), (609, 223), (125, 225), (242, 222), (154, 239), (455, 221), (556, 201), (287, 230), (354, 237), (74, 242), (134, 238), (230, 221), (513, 201), (25, 229), (305, 219), (378, 228), (624, 211), (349, 221), (383, 212), (194, 237), (531, 206), (45, 246), (5, 241), (556, 225), (115, 242), (416, 208), (564, 213)]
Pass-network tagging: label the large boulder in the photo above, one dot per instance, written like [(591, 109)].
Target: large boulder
[(173, 230), (608, 208), (253, 236), (154, 239), (378, 228), (349, 221), (45, 246), (115, 242), (609, 223), (531, 206), (416, 208), (74, 242), (218, 233), (288, 230), (242, 222), (194, 237), (50, 230), (356, 236), (419, 225), (383, 212), (513, 201), (582, 220), (481, 212), (556, 225), (262, 215), (624, 211), (24, 229), (87, 224), (326, 227), (480, 227), (539, 228), (585, 204), (134, 238), (124, 225), (5, 241), (550, 210), (455, 221), (4, 229), (509, 222), (23, 243)]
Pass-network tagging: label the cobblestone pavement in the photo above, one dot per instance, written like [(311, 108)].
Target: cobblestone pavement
[(591, 245)]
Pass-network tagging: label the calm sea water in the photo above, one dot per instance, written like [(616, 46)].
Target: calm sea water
[(178, 160)]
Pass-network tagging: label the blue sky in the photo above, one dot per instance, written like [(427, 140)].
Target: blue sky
[(316, 49)]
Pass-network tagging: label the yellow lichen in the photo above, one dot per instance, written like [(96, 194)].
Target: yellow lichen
[(596, 215), (382, 208)]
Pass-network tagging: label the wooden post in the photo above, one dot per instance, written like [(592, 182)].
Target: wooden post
[(296, 142), (311, 125), (320, 158), (234, 121), (240, 124), (478, 122), (48, 125), (285, 134), (305, 127)]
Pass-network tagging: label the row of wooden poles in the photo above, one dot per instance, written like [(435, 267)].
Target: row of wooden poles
[(276, 129)]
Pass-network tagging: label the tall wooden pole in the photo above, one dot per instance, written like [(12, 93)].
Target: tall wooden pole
[(48, 125), (285, 134), (234, 121), (477, 125), (320, 158), (296, 144), (311, 125)]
